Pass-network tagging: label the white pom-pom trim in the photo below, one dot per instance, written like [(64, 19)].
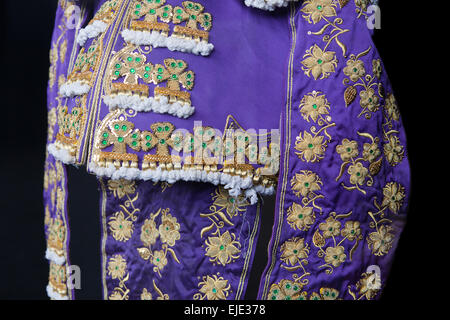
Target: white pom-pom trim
[(160, 105), (156, 39), (234, 184), (72, 89), (91, 31), (54, 257), (55, 295), (268, 4), (60, 154)]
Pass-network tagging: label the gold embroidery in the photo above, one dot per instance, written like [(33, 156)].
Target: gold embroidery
[(122, 187), (304, 185), (57, 279), (131, 66), (223, 247), (381, 240), (359, 175), (120, 134), (311, 147), (174, 73), (293, 290), (203, 150), (70, 123), (335, 254), (319, 63), (168, 232), (287, 290), (300, 217), (393, 149), (63, 51), (368, 286), (56, 235), (294, 254), (213, 288), (52, 120), (318, 10), (106, 12), (117, 268), (146, 295), (122, 227), (193, 14), (152, 10)]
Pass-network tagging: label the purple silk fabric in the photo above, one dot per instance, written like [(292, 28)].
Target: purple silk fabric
[(340, 134), (188, 219), (363, 272)]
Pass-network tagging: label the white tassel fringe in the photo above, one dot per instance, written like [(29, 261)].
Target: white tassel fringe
[(139, 104)]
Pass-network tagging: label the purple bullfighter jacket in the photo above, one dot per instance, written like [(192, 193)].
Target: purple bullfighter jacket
[(188, 112)]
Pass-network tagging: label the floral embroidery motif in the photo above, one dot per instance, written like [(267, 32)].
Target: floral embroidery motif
[(294, 290), (319, 63), (168, 233), (304, 185), (146, 294), (300, 217), (318, 10), (286, 290), (122, 187), (356, 73), (311, 147), (121, 228), (367, 287), (294, 254), (121, 223), (335, 254), (213, 288), (117, 268), (381, 240), (222, 248), (393, 149), (359, 174)]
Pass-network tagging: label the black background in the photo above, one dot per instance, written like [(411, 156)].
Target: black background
[(26, 34)]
